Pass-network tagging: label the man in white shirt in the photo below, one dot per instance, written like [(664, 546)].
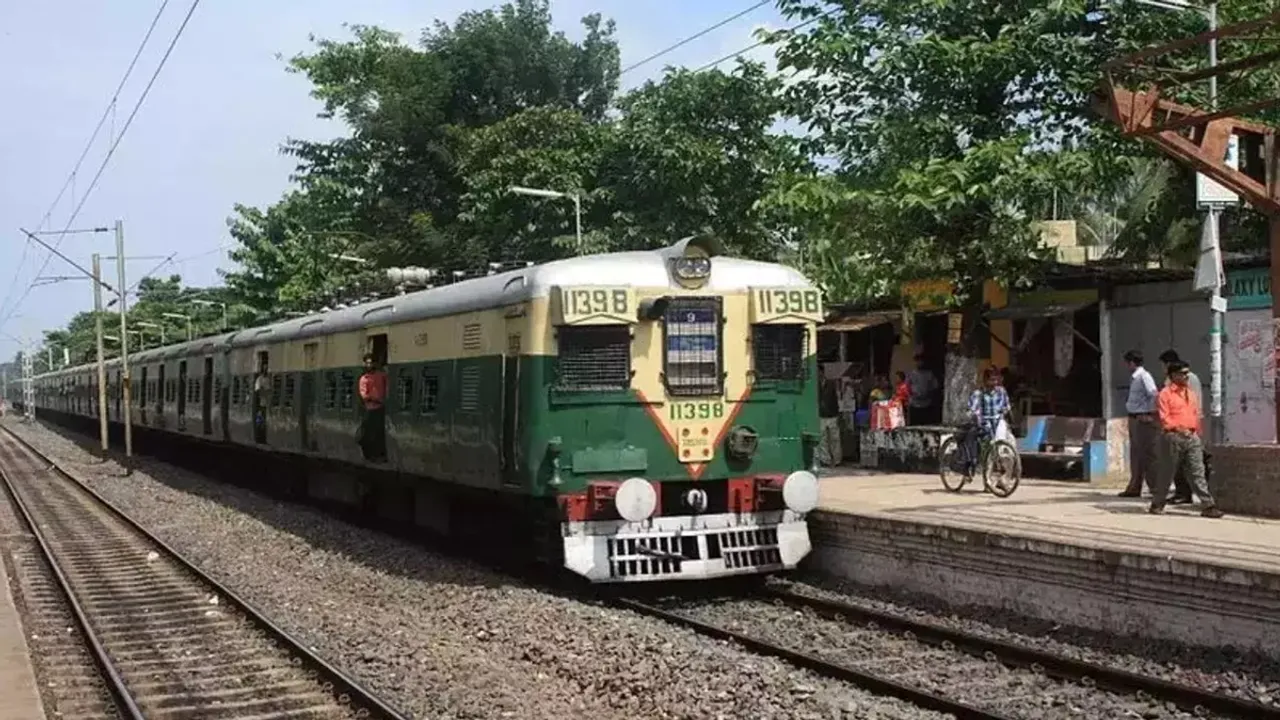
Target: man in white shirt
[(1144, 432)]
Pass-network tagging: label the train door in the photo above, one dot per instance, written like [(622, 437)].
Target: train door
[(206, 396), (224, 397), (142, 398), (511, 405), (373, 422), (261, 386), (183, 392), (161, 395), (306, 403)]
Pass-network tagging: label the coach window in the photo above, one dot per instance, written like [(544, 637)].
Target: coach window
[(593, 357), (778, 351), (276, 381), (430, 393), (691, 359), (404, 381), (346, 390), (330, 391), (288, 392)]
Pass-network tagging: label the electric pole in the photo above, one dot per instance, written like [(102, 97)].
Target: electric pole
[(125, 378), (102, 363)]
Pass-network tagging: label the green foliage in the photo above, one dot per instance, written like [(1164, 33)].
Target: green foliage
[(157, 301), (952, 121), (440, 133)]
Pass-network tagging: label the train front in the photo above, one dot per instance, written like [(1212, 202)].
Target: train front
[(687, 418)]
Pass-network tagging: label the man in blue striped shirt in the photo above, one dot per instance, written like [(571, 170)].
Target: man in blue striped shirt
[(1144, 432), (988, 405)]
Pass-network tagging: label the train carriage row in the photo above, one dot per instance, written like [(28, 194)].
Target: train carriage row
[(661, 404)]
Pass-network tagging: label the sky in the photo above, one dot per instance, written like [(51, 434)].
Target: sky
[(209, 133)]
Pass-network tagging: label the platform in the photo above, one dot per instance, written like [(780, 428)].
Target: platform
[(21, 698), (1057, 551)]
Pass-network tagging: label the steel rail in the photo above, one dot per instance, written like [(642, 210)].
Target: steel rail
[(1056, 666), (346, 690), (115, 683), (865, 680)]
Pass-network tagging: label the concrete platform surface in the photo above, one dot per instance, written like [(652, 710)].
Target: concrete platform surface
[(1056, 551), (1060, 513), (20, 698)]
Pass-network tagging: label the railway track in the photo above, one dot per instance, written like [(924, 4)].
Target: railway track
[(168, 641), (969, 676)]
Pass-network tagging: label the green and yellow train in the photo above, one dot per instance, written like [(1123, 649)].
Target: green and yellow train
[(652, 415)]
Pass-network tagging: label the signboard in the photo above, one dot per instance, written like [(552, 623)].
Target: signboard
[(1045, 298), (586, 305), (955, 326), (774, 304), (1249, 289), (1208, 191), (927, 294)]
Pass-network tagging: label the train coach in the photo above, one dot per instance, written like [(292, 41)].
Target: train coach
[(645, 415)]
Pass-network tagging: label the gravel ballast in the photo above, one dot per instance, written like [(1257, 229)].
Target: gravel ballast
[(1248, 675), (951, 673), (440, 637)]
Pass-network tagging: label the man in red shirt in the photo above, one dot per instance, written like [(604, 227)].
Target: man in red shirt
[(1179, 411), (373, 396)]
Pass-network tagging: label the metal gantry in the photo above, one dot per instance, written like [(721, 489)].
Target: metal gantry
[(1136, 94)]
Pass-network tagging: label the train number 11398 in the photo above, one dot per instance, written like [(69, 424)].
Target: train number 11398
[(596, 302), (788, 302), (695, 410)]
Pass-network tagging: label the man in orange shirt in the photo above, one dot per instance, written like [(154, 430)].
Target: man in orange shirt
[(1179, 411), (373, 396)]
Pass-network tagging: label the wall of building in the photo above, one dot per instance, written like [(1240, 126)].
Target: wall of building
[(1248, 359), (1153, 317)]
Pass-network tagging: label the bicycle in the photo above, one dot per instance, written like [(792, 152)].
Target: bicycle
[(998, 459)]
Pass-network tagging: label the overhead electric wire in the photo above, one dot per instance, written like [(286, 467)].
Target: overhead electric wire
[(106, 113), (111, 151), (691, 38), (749, 48)]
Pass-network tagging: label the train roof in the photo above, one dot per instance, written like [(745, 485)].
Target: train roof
[(641, 268)]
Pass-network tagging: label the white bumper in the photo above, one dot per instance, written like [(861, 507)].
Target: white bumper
[(685, 547)]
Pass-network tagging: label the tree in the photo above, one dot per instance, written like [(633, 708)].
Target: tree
[(691, 153), (542, 147), (948, 119), (398, 170), (696, 153)]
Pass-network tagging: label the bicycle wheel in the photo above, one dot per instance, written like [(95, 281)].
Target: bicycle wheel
[(1001, 468), (951, 462)]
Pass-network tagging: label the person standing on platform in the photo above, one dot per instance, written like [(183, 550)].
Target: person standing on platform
[(1181, 489), (1143, 431), (902, 390), (1179, 412)]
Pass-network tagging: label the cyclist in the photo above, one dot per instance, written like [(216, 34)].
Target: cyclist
[(988, 405)]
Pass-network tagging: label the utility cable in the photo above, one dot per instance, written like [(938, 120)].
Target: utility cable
[(111, 151), (691, 38), (71, 178), (749, 48)]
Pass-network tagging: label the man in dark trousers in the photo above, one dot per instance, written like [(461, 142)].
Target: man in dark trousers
[(373, 396), (1179, 419), (1182, 488), (1144, 430)]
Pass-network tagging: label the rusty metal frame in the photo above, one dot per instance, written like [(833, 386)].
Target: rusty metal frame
[(1190, 135)]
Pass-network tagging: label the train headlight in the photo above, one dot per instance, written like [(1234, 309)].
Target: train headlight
[(800, 491), (636, 499), (692, 268)]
